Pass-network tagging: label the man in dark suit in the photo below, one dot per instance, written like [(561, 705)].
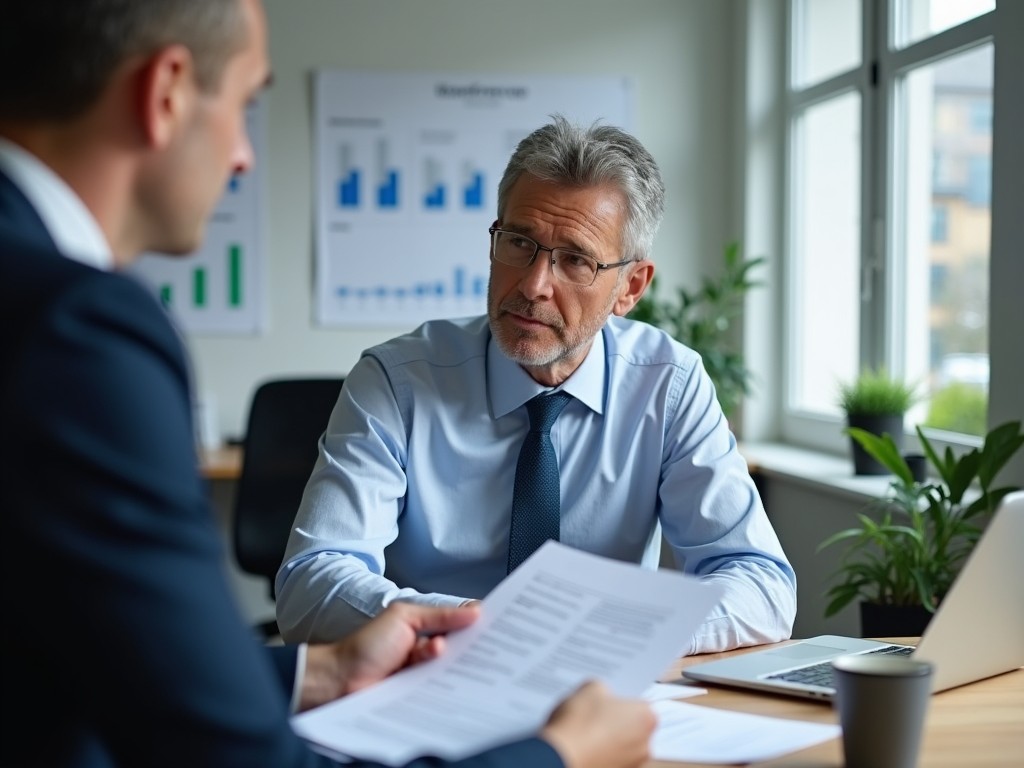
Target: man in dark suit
[(120, 123)]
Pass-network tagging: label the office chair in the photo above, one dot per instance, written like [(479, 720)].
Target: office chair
[(286, 419)]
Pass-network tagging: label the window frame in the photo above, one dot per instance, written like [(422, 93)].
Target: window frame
[(877, 80)]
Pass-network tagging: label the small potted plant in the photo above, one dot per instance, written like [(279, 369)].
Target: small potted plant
[(901, 561), (875, 402)]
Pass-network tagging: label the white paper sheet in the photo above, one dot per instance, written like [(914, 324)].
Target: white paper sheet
[(694, 734), (659, 691), (561, 618)]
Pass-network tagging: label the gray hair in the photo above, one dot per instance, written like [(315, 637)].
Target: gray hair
[(59, 55), (564, 153)]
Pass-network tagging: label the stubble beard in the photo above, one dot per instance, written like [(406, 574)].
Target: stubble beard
[(525, 347)]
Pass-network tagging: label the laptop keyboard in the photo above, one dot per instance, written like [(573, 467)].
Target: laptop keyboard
[(820, 674)]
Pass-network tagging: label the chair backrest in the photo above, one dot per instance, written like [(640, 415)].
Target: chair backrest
[(286, 419)]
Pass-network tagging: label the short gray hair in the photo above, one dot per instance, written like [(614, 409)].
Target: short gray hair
[(564, 153)]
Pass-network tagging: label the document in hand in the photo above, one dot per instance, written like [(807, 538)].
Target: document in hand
[(562, 618)]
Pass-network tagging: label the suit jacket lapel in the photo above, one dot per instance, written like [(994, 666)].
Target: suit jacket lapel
[(18, 216)]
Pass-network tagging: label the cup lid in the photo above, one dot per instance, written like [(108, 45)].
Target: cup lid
[(875, 664)]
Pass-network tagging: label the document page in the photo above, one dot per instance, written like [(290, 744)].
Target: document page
[(692, 734), (562, 618)]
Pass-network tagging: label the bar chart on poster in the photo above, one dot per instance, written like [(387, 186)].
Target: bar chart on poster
[(407, 168), (219, 289)]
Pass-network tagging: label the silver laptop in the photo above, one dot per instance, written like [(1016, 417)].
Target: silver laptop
[(977, 632)]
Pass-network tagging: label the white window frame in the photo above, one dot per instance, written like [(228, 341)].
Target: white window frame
[(875, 80)]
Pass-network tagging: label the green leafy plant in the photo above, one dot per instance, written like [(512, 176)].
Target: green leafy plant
[(875, 392), (960, 408), (702, 320), (910, 552)]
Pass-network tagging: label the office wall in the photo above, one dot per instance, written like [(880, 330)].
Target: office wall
[(679, 55)]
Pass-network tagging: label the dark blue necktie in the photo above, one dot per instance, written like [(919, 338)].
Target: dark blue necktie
[(535, 500)]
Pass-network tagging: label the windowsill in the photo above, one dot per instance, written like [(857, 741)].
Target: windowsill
[(822, 471)]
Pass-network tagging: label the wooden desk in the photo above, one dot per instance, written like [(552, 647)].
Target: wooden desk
[(222, 463), (981, 724)]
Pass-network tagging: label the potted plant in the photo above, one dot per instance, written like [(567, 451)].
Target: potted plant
[(902, 560), (702, 320), (875, 402)]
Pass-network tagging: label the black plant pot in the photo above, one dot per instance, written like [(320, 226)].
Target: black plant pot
[(878, 620), (863, 462)]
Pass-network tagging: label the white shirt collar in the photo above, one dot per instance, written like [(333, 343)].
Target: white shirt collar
[(73, 228)]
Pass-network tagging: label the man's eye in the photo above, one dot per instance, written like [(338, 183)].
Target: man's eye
[(575, 260)]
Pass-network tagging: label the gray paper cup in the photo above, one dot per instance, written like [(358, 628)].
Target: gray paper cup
[(882, 701)]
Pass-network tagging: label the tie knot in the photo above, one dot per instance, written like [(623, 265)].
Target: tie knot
[(544, 409)]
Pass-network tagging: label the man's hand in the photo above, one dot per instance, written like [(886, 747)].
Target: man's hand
[(593, 729), (402, 634)]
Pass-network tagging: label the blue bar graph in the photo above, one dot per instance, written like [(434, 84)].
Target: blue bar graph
[(387, 192), (387, 175), (435, 197), (460, 285), (434, 192), (348, 190), (473, 194)]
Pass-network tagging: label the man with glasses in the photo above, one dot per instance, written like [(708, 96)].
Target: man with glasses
[(120, 124), (415, 493)]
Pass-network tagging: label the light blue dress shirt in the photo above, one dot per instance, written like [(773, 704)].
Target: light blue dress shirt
[(411, 495)]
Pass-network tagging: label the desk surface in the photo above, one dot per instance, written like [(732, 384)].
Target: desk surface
[(223, 463), (981, 724)]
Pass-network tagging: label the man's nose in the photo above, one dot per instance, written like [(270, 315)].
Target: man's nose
[(538, 278), (244, 157)]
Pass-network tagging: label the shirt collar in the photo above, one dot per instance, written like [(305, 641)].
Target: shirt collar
[(73, 228), (509, 386)]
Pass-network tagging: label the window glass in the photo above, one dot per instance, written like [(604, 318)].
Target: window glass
[(888, 188), (824, 319), (918, 19), (945, 130), (828, 34)]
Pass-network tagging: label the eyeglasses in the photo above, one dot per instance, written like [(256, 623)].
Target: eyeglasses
[(518, 250)]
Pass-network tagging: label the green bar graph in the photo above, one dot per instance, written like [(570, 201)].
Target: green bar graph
[(166, 294), (199, 287), (235, 275)]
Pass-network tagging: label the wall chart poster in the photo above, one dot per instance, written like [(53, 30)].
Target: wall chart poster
[(407, 168), (220, 288)]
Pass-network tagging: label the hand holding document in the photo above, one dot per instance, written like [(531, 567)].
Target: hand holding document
[(560, 619)]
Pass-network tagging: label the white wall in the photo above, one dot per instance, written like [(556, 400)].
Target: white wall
[(679, 54)]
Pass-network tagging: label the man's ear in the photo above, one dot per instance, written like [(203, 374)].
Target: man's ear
[(167, 89), (633, 287)]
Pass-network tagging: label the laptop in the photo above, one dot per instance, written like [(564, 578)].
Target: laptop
[(977, 631)]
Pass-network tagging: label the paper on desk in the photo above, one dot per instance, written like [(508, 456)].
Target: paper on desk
[(694, 734), (659, 691), (561, 618)]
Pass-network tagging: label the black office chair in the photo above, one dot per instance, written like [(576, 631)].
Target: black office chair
[(286, 419)]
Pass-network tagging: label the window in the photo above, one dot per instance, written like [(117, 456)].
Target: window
[(940, 225), (889, 125)]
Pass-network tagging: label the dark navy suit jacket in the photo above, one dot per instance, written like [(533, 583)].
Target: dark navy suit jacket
[(123, 643)]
